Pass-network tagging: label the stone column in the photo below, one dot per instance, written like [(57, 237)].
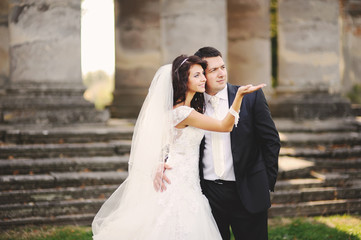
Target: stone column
[(45, 66), (308, 60), (309, 55), (45, 42), (188, 25), (4, 44), (249, 45), (351, 44), (137, 53)]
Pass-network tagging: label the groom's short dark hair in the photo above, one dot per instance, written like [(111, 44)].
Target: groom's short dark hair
[(205, 52)]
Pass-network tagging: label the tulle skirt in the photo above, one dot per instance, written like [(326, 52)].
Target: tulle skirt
[(181, 212)]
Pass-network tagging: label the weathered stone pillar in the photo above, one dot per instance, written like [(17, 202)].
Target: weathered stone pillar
[(45, 65), (308, 60), (152, 33), (351, 44), (137, 53), (249, 45), (188, 25), (4, 44)]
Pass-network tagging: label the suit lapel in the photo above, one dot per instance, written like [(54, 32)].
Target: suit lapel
[(232, 90)]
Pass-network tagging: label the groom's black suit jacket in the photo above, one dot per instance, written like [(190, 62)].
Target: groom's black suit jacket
[(255, 148)]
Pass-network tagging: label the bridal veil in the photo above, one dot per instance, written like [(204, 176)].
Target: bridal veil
[(151, 139)]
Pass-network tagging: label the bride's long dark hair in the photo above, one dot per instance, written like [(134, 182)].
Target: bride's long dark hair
[(180, 74)]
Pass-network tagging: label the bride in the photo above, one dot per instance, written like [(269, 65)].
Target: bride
[(169, 129)]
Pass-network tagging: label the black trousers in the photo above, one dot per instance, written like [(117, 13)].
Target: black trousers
[(228, 211)]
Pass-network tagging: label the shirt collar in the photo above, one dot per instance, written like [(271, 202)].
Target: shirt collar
[(223, 94)]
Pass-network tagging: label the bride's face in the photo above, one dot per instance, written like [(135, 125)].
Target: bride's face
[(196, 79)]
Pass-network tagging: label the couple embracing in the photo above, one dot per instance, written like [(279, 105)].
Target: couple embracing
[(204, 158)]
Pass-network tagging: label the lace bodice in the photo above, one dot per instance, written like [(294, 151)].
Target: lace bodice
[(184, 151), (188, 136), (184, 175)]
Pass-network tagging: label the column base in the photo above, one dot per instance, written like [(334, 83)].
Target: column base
[(310, 106), (128, 102), (47, 105)]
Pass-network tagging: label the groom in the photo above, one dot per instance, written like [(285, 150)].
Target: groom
[(238, 193)]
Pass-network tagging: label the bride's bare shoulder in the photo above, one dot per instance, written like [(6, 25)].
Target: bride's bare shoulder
[(181, 106)]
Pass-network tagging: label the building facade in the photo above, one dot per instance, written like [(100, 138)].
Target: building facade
[(318, 51)]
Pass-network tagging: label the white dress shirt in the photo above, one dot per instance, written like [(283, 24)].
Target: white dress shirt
[(208, 166)]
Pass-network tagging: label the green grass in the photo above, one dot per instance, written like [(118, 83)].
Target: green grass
[(345, 227), (48, 233)]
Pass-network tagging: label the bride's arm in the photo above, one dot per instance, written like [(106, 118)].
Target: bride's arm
[(202, 121)]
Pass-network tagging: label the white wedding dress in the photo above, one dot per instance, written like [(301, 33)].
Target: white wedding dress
[(180, 212)]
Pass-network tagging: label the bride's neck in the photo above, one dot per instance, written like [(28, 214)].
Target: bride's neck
[(187, 101), (189, 97)]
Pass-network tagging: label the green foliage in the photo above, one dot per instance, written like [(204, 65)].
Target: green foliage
[(355, 94), (274, 43), (100, 87), (273, 10)]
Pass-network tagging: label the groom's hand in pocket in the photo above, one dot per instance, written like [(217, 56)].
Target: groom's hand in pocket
[(160, 178)]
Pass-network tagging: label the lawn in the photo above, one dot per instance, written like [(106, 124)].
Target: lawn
[(345, 227), (48, 233)]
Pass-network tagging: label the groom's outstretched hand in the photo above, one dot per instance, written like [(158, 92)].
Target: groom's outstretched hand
[(160, 178)]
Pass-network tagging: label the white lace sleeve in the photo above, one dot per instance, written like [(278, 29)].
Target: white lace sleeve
[(181, 113)]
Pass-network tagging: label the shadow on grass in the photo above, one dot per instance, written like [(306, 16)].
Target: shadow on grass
[(311, 229)]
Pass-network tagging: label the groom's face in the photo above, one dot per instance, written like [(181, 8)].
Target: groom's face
[(216, 74)]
